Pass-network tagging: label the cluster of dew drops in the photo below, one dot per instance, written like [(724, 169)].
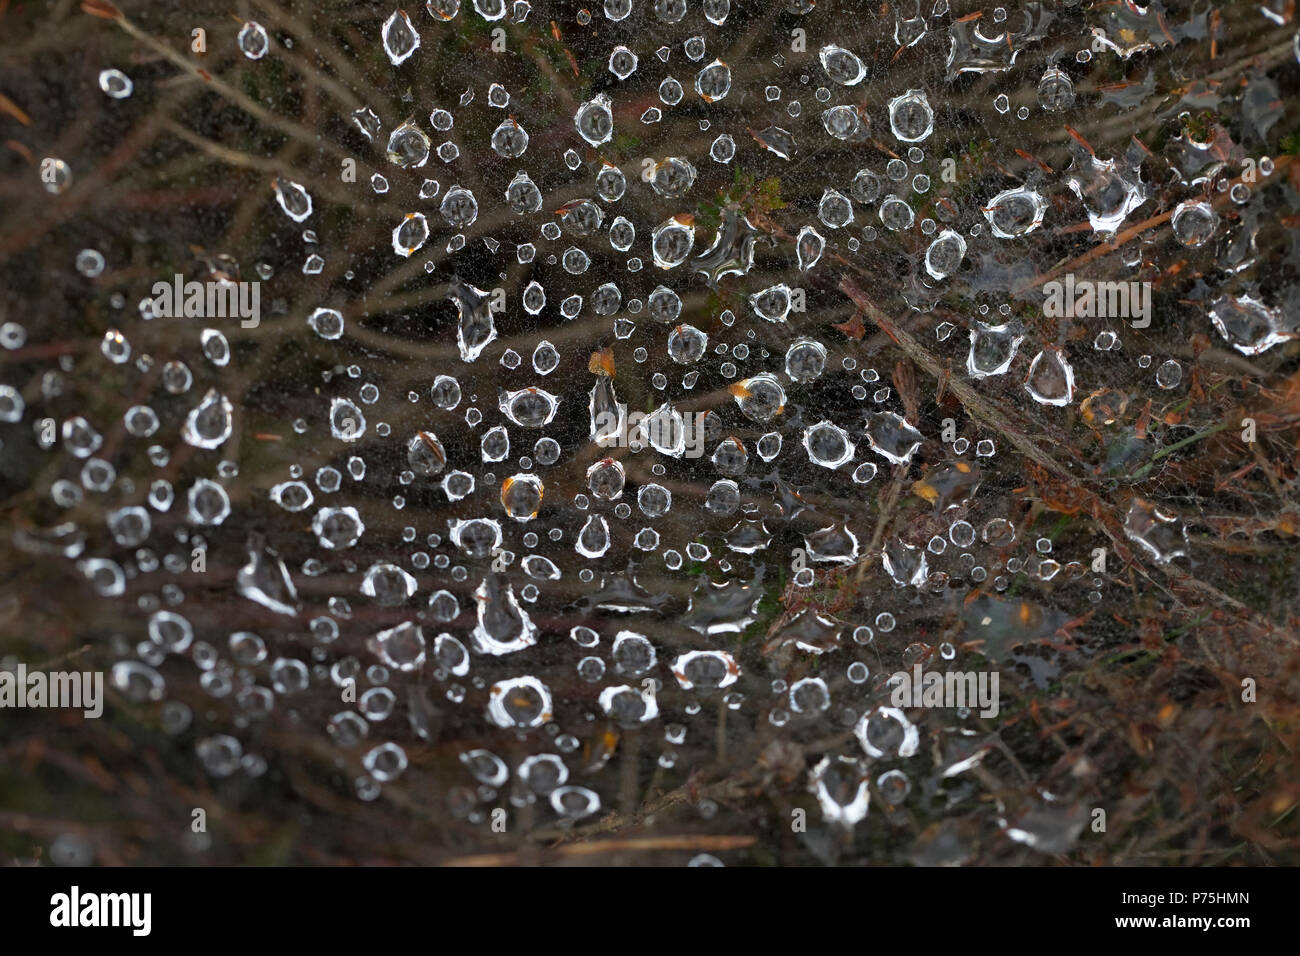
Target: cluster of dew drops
[(511, 529)]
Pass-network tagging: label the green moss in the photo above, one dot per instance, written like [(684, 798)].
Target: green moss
[(1200, 127), (751, 196)]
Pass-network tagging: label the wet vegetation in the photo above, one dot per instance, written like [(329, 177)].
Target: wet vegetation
[(982, 321)]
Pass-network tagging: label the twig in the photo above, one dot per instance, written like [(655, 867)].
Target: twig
[(689, 841)]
